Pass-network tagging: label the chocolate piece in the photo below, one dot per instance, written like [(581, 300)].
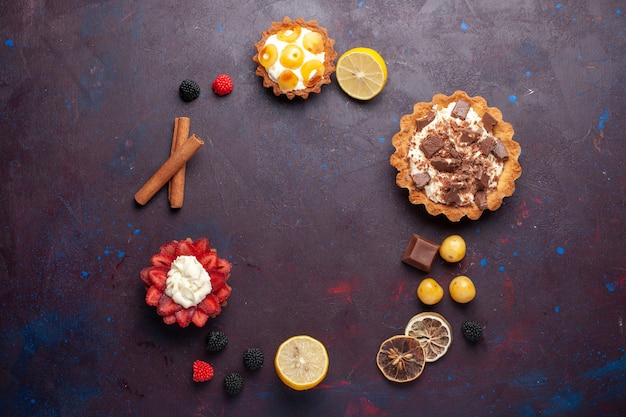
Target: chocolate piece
[(499, 150), (444, 164), (489, 122), (482, 181), (420, 253), (431, 145), (487, 145), (480, 198), (452, 195), (420, 179), (425, 121), (460, 110), (468, 137)]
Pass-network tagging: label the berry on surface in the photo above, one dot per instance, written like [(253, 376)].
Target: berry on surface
[(253, 359), (216, 341), (472, 330), (223, 85), (202, 371), (233, 383), (189, 90)]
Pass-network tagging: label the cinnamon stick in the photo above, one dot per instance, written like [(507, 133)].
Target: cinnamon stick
[(168, 169), (176, 189)]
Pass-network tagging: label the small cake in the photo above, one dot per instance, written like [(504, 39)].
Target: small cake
[(456, 156), (295, 57), (186, 282)]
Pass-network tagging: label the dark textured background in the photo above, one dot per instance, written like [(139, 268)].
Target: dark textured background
[(300, 196)]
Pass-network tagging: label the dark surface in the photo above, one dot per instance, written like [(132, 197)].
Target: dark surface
[(300, 196)]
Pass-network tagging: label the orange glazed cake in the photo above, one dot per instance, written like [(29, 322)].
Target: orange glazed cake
[(456, 156), (295, 57)]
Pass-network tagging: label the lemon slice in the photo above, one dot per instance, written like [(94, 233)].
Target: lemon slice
[(361, 73), (301, 362), (433, 332)]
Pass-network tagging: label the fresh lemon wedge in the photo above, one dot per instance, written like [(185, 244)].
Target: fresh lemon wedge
[(301, 362), (361, 73)]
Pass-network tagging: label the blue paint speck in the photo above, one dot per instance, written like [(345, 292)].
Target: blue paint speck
[(137, 231), (349, 31), (84, 274), (381, 140), (528, 73), (559, 6), (483, 262), (512, 98), (618, 12), (610, 286), (557, 309), (560, 250), (603, 118), (220, 28), (580, 57), (9, 43), (324, 166), (361, 3), (463, 26), (501, 268)]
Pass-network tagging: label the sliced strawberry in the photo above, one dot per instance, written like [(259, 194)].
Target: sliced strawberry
[(153, 295), (201, 246), (171, 319), (169, 249), (162, 259), (209, 305), (184, 248), (158, 277), (183, 317), (223, 293), (208, 261), (223, 265), (218, 280), (167, 306), (199, 318), (144, 275)]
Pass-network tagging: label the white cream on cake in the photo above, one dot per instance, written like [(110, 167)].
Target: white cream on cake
[(187, 282)]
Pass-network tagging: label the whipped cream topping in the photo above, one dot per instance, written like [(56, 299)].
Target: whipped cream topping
[(187, 281), (475, 167), (277, 68)]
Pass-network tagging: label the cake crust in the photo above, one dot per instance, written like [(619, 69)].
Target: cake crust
[(502, 130), (329, 59)]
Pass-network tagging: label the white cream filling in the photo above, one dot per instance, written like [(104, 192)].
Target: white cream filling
[(187, 281)]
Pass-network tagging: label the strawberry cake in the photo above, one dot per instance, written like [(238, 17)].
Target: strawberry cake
[(186, 282)]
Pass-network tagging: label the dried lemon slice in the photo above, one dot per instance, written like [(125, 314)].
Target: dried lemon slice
[(401, 358), (301, 362), (361, 73), (433, 333)]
